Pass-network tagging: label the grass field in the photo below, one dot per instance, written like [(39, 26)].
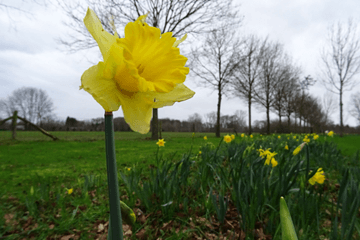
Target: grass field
[(77, 161), (34, 154)]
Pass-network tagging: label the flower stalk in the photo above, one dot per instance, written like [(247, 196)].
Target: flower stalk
[(115, 226)]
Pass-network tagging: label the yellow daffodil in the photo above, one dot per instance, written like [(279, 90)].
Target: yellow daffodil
[(232, 136), (274, 163), (227, 138), (319, 177), (269, 157), (205, 138), (242, 135), (142, 71), (200, 152), (294, 137), (316, 137), (70, 191), (298, 149), (128, 169), (330, 134), (306, 139), (279, 137), (251, 136), (286, 147), (161, 143)]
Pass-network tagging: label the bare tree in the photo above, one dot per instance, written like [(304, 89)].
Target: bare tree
[(32, 104), (341, 61), (196, 121), (246, 75), (178, 17), (210, 120), (286, 84), (240, 117), (355, 106), (214, 64), (301, 96), (289, 97), (328, 106), (269, 78)]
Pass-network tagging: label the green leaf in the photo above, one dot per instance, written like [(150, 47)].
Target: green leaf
[(287, 226)]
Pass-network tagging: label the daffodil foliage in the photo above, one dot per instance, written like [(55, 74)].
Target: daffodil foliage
[(142, 71)]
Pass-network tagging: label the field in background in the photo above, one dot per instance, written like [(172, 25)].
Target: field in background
[(34, 154)]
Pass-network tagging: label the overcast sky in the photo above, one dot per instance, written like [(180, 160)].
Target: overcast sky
[(30, 55)]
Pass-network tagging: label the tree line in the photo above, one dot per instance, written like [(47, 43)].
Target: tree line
[(261, 73)]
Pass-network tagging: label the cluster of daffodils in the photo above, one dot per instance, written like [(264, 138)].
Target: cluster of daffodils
[(228, 138), (306, 139), (319, 177), (269, 157)]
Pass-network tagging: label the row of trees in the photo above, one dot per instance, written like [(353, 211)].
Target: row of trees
[(303, 112), (260, 72), (235, 123)]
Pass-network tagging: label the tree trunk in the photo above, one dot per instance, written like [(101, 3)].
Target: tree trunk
[(13, 125), (154, 125), (280, 119), (250, 115), (341, 113), (289, 122), (218, 114), (268, 120)]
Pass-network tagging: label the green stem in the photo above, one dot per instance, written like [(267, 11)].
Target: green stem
[(115, 228)]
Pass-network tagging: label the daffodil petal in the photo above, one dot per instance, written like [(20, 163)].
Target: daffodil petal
[(103, 90), (102, 37), (180, 93), (137, 109)]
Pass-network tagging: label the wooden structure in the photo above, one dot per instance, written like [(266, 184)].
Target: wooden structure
[(15, 117)]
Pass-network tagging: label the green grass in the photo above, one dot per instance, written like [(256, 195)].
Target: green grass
[(349, 144), (34, 154), (78, 161)]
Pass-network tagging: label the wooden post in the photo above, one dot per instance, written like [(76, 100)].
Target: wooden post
[(13, 125), (4, 121), (39, 128)]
